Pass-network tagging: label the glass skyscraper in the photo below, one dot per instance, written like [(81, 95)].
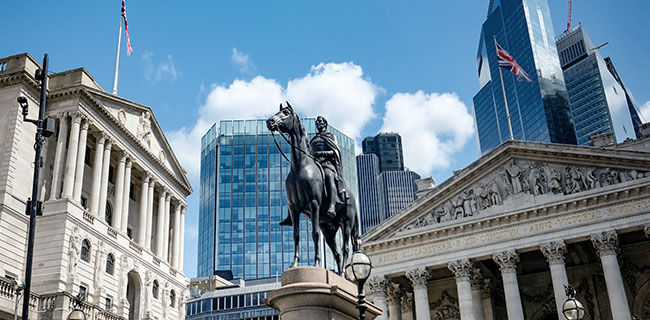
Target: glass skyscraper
[(539, 111), (368, 171), (387, 146), (598, 101), (242, 200)]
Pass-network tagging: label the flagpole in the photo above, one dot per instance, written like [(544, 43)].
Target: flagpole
[(117, 58), (503, 88)]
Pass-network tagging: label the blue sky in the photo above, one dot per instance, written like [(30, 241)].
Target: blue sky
[(364, 64)]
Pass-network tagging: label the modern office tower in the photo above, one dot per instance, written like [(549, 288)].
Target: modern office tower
[(396, 191), (631, 104), (598, 101), (387, 146), (539, 110), (242, 200), (367, 172)]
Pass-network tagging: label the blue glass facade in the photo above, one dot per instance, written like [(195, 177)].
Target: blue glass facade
[(243, 198), (368, 171), (539, 111)]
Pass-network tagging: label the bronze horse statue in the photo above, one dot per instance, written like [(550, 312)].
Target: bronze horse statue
[(306, 193)]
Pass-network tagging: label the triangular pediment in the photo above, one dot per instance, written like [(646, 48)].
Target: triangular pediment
[(514, 177)]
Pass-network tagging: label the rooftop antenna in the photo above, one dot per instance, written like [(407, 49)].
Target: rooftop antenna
[(568, 24)]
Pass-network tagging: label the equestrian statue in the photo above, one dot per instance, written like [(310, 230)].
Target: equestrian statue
[(315, 186)]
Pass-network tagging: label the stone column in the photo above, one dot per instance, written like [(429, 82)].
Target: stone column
[(144, 201), (477, 283), (176, 242), (97, 173), (182, 240), (377, 289), (119, 191), (462, 270), (80, 166), (487, 300), (59, 155), (125, 196), (606, 243), (393, 299), (407, 306), (103, 188), (507, 262), (149, 226), (166, 227), (160, 224), (71, 159), (419, 278), (554, 252)]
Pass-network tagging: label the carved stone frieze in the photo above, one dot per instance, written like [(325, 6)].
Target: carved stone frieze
[(507, 261), (462, 269), (554, 252), (520, 181), (446, 307), (418, 277), (606, 242)]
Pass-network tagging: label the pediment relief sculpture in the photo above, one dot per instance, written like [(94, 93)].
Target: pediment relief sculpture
[(144, 129), (522, 182)]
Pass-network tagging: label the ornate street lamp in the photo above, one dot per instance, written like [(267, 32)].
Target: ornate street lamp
[(77, 313), (18, 287), (572, 308), (358, 271)]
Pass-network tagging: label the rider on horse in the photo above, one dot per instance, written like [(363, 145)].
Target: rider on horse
[(325, 149)]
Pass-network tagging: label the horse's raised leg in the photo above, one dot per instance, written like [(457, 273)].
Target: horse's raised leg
[(295, 219), (315, 228)]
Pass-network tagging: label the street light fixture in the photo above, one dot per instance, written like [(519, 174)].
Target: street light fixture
[(77, 313), (572, 308), (358, 271), (18, 287)]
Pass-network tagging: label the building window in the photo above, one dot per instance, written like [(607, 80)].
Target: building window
[(109, 303), (110, 263), (82, 291), (85, 250), (154, 289), (108, 213), (172, 299)]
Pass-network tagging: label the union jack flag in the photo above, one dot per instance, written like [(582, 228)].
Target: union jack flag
[(505, 60), (129, 49)]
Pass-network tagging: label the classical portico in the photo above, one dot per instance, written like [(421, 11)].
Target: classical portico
[(501, 238)]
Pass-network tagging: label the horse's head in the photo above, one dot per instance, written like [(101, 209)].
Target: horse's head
[(283, 120)]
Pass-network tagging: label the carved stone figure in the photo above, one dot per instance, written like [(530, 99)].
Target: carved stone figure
[(540, 182), (571, 182), (555, 184), (515, 177), (144, 128), (471, 197), (592, 181), (525, 182), (75, 251), (507, 186), (100, 263), (495, 196), (441, 213), (484, 197), (611, 177), (459, 212)]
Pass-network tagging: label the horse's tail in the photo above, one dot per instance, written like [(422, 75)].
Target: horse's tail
[(354, 234)]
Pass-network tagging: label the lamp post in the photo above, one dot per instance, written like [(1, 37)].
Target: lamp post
[(77, 313), (358, 271), (17, 286), (44, 129), (572, 309)]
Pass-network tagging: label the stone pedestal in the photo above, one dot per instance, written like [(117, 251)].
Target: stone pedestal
[(317, 294)]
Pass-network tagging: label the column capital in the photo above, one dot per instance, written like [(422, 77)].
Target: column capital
[(108, 143), (418, 277), (606, 242), (406, 302), (507, 261), (393, 292), (377, 286), (462, 269), (554, 252), (477, 281), (77, 116), (129, 162), (85, 124), (100, 137), (122, 156), (487, 289), (646, 230), (145, 178)]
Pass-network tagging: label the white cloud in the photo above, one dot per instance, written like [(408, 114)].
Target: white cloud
[(433, 127), (165, 70), (645, 112), (242, 61)]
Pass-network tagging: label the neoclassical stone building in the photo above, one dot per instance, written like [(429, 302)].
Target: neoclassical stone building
[(114, 200), (500, 238)]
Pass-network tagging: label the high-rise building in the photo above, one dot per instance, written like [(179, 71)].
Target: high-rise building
[(397, 191), (387, 146), (539, 110), (242, 200), (369, 206), (599, 103), (631, 104)]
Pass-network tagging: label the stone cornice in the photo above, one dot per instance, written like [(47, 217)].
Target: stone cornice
[(83, 93)]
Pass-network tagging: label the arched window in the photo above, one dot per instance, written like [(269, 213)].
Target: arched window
[(154, 289), (172, 299), (85, 250), (110, 263), (108, 213)]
